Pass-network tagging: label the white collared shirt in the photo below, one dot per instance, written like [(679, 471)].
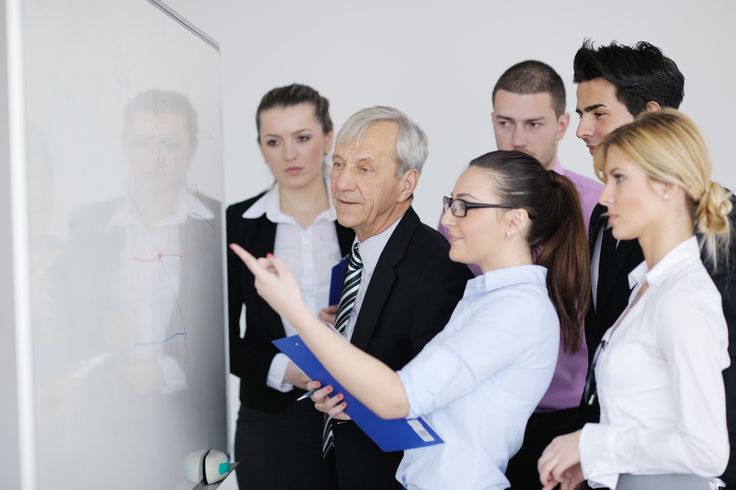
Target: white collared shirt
[(151, 263), (310, 253), (659, 378), (478, 380), (370, 251)]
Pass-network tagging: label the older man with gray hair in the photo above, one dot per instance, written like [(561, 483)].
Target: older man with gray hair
[(400, 286)]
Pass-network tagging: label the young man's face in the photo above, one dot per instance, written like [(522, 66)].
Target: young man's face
[(599, 110), (528, 123)]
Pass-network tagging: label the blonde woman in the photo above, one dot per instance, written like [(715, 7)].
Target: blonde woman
[(659, 367)]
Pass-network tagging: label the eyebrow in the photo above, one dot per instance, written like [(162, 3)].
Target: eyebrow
[(530, 119), (590, 108), (290, 134), (463, 195)]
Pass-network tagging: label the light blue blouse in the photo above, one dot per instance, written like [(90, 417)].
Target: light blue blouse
[(478, 381)]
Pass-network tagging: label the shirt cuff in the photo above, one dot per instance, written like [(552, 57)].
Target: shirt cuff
[(592, 448), (276, 372)]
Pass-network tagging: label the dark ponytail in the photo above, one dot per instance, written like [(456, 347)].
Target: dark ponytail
[(556, 233)]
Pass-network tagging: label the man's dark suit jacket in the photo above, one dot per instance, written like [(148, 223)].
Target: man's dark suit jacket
[(613, 296), (251, 355), (412, 293)]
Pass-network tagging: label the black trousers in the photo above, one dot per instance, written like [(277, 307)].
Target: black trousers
[(280, 450), (541, 428), (360, 464)]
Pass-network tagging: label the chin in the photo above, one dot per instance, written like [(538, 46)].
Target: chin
[(622, 234)]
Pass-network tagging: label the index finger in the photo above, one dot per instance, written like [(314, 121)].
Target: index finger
[(249, 261)]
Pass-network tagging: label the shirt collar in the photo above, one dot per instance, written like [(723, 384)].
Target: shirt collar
[(188, 205), (269, 204), (675, 259), (371, 248), (508, 276)]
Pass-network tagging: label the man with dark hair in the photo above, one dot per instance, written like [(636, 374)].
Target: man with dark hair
[(529, 115), (615, 84)]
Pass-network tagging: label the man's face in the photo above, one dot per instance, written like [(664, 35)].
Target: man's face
[(159, 148), (528, 123), (600, 111), (368, 195)]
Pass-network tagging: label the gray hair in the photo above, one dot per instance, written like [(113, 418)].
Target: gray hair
[(411, 142)]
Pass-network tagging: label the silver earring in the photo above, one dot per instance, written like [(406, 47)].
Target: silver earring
[(508, 234)]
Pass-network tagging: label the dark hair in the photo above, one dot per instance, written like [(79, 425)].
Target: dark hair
[(292, 95), (157, 101), (533, 77), (556, 233), (640, 73)]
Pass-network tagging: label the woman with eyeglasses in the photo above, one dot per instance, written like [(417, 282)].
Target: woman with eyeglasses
[(659, 367), (479, 379)]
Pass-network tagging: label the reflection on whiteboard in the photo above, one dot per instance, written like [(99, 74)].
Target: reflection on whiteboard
[(125, 178)]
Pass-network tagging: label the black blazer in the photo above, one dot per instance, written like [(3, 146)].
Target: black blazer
[(251, 355), (613, 296), (412, 293)]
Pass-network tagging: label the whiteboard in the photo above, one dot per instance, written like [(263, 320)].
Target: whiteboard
[(123, 164)]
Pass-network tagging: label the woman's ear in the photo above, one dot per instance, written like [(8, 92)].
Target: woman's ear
[(516, 221)]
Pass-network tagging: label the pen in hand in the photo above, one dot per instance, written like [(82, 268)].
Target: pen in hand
[(305, 395)]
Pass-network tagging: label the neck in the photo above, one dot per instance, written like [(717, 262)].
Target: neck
[(384, 222), (551, 164), (660, 239), (154, 207), (304, 204), (516, 253)]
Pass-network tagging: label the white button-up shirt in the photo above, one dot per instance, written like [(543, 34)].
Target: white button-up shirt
[(310, 253), (478, 381), (659, 378)]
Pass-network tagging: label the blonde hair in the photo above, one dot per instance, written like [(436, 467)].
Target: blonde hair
[(668, 147)]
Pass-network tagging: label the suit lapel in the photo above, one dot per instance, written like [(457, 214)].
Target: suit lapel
[(345, 237), (259, 239), (615, 266), (383, 279)]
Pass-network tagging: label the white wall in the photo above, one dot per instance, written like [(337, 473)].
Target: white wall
[(438, 62)]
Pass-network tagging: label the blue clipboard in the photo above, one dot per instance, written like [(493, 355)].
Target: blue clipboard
[(389, 435)]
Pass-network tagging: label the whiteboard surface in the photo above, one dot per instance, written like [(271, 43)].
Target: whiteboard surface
[(124, 167)]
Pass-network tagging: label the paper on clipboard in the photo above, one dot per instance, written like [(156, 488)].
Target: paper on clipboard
[(389, 435)]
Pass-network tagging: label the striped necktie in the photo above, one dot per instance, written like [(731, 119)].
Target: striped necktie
[(350, 288)]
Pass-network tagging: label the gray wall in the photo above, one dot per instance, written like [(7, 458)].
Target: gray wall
[(9, 462)]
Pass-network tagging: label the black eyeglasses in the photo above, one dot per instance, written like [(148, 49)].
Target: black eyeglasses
[(459, 208)]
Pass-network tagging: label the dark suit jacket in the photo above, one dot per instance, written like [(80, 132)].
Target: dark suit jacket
[(251, 355), (412, 293), (613, 296)]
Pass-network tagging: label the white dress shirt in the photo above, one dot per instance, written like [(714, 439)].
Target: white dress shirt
[(478, 381), (148, 276), (659, 378), (370, 251), (310, 253)]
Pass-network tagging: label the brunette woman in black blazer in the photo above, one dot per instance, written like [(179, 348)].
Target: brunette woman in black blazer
[(278, 439)]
